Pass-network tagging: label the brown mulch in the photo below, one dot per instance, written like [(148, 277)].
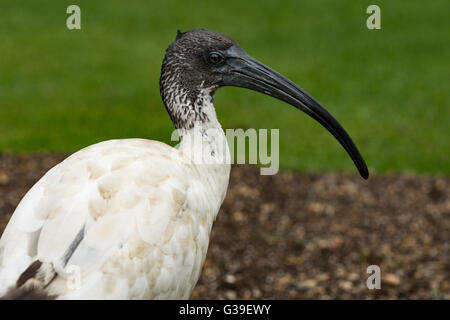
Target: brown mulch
[(308, 236)]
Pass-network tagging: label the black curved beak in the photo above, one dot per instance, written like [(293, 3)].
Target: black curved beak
[(245, 72)]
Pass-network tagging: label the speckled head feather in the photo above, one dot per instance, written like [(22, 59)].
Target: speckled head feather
[(186, 76)]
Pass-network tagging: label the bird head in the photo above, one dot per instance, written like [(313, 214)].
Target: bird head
[(200, 60)]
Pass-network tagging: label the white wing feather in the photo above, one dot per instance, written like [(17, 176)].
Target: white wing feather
[(127, 208)]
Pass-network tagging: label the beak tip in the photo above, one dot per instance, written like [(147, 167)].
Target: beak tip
[(364, 173)]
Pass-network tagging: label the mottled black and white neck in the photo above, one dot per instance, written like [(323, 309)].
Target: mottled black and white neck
[(187, 83)]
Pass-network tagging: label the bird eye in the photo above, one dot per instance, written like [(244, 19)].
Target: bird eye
[(215, 58)]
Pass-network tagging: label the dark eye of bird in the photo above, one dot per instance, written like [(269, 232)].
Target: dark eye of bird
[(215, 58)]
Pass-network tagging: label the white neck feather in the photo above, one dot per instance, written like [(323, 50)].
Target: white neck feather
[(205, 143)]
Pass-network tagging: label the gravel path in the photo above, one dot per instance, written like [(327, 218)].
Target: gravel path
[(308, 236)]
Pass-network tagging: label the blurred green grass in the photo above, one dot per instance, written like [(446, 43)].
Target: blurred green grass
[(61, 90)]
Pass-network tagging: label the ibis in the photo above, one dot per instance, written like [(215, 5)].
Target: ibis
[(131, 218)]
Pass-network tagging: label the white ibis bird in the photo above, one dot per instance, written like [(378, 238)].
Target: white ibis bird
[(131, 219)]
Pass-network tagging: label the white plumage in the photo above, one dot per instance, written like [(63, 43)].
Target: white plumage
[(130, 219), (146, 209)]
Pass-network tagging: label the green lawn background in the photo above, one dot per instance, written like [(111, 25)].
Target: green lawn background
[(61, 90)]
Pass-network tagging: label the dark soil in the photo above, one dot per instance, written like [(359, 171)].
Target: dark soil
[(308, 236)]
